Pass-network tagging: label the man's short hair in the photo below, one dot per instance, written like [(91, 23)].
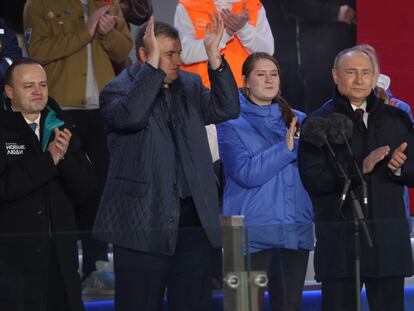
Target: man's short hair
[(160, 29), (20, 62), (356, 48)]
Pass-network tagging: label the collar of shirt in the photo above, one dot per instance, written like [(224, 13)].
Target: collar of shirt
[(363, 107), (37, 121)]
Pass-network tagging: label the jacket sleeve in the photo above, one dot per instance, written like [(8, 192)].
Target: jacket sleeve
[(246, 169), (42, 44), (407, 172), (193, 49), (21, 178), (117, 43), (222, 101), (259, 38), (76, 172), (10, 49), (127, 104)]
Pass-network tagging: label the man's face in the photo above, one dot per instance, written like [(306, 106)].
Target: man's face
[(28, 93), (170, 60), (354, 77)]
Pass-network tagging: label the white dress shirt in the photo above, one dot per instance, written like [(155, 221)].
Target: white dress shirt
[(37, 121), (365, 116)]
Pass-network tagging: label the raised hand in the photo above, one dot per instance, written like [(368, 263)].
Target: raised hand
[(152, 49), (290, 134), (93, 20), (235, 22), (59, 146), (373, 158), (398, 158), (212, 38)]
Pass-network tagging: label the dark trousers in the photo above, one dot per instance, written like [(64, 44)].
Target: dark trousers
[(89, 127), (141, 278), (383, 294), (57, 296), (286, 270)]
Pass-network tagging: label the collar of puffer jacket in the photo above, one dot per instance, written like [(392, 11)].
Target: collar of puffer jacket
[(246, 106)]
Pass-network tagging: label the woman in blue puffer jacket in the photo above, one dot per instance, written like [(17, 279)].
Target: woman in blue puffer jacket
[(259, 151)]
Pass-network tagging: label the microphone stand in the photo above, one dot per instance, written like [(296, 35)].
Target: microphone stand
[(360, 175), (358, 214), (347, 182), (358, 218)]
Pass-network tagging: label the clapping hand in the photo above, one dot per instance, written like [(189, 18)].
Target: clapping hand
[(94, 19), (398, 158), (106, 23), (59, 146), (290, 134), (373, 158), (234, 22)]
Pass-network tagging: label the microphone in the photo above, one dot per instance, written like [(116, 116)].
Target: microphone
[(340, 129), (315, 131)]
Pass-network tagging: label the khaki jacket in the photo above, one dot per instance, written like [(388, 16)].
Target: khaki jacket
[(56, 35)]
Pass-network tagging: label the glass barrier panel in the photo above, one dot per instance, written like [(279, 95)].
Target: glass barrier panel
[(257, 266)]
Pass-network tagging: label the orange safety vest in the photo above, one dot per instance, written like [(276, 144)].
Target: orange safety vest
[(235, 53)]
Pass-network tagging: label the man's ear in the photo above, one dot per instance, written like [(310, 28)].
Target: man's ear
[(335, 76), (9, 91), (141, 54)]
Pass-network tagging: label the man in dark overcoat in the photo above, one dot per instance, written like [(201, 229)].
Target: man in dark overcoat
[(43, 171), (383, 145)]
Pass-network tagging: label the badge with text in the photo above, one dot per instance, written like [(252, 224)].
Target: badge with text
[(13, 149)]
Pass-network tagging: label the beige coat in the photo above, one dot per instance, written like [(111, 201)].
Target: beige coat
[(56, 35)]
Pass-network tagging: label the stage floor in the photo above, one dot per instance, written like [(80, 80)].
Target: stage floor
[(311, 296), (311, 301)]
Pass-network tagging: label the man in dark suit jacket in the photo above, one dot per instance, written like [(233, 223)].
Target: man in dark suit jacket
[(383, 144), (160, 203), (43, 170)]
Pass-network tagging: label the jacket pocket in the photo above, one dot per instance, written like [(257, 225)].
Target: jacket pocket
[(133, 188)]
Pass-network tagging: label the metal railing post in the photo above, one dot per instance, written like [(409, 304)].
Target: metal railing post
[(241, 288)]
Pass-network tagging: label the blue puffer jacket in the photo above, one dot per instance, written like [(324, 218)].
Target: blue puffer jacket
[(262, 179)]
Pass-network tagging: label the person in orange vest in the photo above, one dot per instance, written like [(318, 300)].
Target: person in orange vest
[(246, 31)]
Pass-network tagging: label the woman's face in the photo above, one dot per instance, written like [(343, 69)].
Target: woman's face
[(263, 82)]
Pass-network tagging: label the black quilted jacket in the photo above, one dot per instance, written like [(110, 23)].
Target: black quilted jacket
[(140, 207)]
